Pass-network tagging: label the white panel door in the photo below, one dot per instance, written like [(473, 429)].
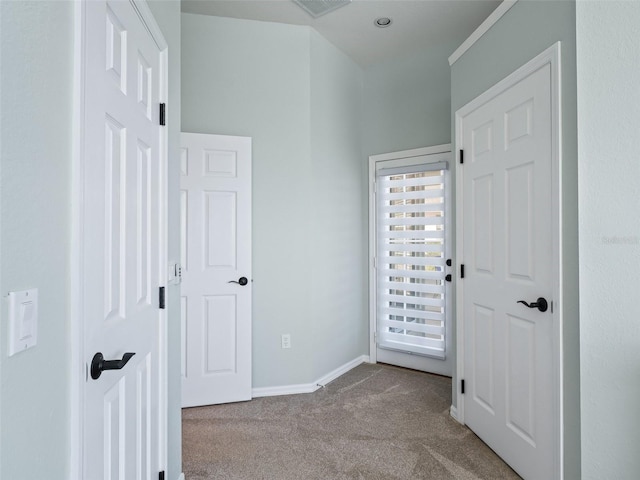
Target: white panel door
[(121, 240), (509, 370), (216, 265)]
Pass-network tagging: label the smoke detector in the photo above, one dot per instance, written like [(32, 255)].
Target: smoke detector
[(317, 8)]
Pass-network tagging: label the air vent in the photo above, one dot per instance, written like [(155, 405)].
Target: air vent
[(317, 8)]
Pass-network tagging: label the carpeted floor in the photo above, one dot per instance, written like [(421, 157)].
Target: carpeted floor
[(376, 422)]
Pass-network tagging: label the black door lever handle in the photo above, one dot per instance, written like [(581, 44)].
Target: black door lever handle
[(241, 281), (99, 364), (541, 304)]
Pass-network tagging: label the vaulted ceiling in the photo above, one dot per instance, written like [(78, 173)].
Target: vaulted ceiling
[(416, 24)]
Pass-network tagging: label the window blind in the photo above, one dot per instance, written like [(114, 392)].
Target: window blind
[(411, 259)]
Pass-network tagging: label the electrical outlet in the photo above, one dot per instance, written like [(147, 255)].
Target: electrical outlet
[(286, 340)]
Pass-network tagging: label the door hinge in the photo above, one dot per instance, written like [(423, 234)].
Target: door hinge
[(462, 387), (375, 262), (375, 337), (462, 271), (163, 119), (461, 156), (161, 475), (161, 298)]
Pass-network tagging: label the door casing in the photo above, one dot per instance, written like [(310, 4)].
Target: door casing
[(79, 371), (550, 56)]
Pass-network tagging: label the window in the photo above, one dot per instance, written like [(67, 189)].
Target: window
[(410, 257)]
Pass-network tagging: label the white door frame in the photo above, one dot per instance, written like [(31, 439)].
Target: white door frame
[(550, 56), (373, 159), (78, 355)]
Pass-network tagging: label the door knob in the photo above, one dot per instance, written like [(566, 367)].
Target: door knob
[(241, 281), (541, 304), (99, 364)]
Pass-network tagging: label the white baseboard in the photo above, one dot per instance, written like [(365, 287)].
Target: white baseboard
[(309, 387), (331, 376), (453, 411), (284, 390), (181, 477)]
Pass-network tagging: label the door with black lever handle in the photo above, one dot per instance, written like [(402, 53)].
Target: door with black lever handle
[(541, 304), (99, 364)]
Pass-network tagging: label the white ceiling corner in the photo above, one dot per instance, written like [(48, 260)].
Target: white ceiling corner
[(317, 8), (417, 24)]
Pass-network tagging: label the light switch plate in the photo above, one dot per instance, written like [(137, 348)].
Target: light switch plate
[(23, 320)]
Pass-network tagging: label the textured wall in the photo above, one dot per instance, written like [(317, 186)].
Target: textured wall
[(288, 89), (407, 101), (337, 232), (609, 169), (36, 82)]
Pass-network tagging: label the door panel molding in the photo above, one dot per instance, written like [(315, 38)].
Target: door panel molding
[(550, 57)]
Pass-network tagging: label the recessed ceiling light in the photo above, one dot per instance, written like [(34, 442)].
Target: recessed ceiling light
[(382, 22)]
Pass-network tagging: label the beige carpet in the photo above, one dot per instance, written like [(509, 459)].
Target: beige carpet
[(376, 422)]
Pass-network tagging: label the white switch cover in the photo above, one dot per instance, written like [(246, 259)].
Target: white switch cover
[(23, 320)]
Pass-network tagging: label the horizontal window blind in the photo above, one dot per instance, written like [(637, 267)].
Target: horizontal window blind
[(410, 259)]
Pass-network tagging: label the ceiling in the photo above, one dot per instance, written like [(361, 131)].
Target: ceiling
[(417, 24)]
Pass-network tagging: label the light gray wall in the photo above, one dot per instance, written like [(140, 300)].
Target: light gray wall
[(407, 101), (36, 82), (167, 14), (277, 84), (523, 32), (337, 234), (252, 79), (608, 125), (407, 104), (36, 143)]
